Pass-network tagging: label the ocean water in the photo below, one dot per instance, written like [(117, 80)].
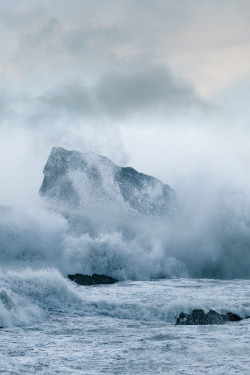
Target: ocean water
[(52, 326), (197, 258)]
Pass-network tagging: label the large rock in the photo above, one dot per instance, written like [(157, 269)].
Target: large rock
[(78, 180), (199, 317), (95, 279)]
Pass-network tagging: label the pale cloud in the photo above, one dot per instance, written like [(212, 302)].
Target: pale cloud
[(206, 43)]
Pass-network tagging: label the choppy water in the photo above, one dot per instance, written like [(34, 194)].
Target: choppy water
[(52, 326)]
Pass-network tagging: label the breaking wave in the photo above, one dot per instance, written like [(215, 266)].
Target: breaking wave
[(27, 296), (210, 240), (208, 237)]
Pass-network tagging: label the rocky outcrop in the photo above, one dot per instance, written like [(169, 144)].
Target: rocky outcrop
[(78, 180), (199, 317), (95, 279)]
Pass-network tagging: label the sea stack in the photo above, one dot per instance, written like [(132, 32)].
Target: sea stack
[(78, 180)]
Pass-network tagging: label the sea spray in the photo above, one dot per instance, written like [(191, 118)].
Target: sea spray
[(208, 235)]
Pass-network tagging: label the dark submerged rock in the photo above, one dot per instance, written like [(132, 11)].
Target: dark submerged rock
[(95, 279), (199, 317), (231, 317)]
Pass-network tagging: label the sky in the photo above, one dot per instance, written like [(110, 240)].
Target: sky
[(162, 85)]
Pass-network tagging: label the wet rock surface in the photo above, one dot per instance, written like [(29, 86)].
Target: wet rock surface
[(76, 180), (95, 279), (199, 317)]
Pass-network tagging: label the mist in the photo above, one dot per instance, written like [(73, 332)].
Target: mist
[(208, 237)]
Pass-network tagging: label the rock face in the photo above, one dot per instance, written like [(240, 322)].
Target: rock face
[(79, 179), (95, 279), (199, 317)]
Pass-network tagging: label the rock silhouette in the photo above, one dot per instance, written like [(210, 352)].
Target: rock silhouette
[(95, 279), (199, 317)]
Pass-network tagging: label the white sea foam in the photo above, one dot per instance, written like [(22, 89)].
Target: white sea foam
[(26, 294), (209, 240), (27, 297)]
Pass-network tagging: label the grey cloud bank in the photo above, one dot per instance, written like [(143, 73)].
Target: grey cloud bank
[(124, 93), (206, 43), (135, 89)]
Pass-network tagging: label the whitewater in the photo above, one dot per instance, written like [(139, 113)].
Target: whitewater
[(55, 327), (197, 256)]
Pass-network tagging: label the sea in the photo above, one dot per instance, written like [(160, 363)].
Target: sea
[(198, 258), (52, 326)]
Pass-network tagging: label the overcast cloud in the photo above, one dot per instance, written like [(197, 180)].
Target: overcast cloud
[(44, 42)]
